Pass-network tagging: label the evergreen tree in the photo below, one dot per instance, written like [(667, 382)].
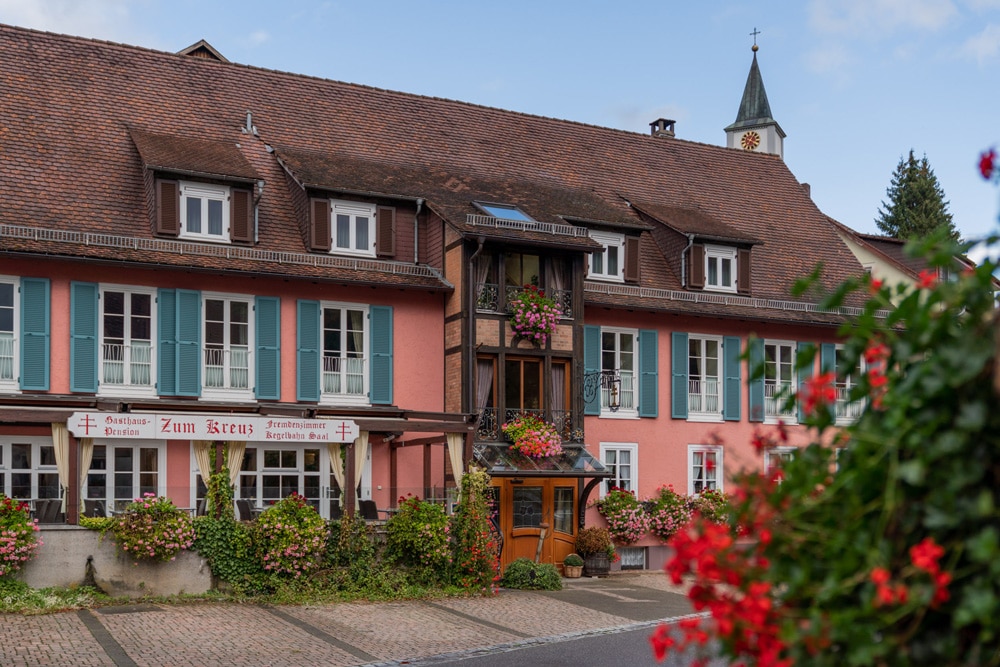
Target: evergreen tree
[(916, 207)]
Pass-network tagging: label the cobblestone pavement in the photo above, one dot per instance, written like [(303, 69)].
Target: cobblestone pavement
[(381, 633)]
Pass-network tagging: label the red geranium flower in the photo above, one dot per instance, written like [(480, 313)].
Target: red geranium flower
[(986, 163)]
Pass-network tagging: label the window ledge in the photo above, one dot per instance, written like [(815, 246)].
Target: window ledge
[(627, 414), (704, 417)]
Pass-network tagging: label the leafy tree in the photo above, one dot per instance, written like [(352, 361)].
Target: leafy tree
[(916, 208)]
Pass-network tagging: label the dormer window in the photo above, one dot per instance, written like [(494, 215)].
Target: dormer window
[(609, 264), (204, 212), (720, 268), (505, 212), (353, 228)]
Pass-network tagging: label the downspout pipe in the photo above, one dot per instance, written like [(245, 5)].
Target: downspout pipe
[(684, 254), (416, 245)]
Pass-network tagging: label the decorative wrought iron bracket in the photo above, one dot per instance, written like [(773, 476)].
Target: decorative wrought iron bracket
[(600, 380)]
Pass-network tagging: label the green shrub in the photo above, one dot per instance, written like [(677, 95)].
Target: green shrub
[(17, 535), (350, 543), (526, 574), (227, 546), (475, 563), (417, 537), (573, 560), (152, 528), (290, 537)]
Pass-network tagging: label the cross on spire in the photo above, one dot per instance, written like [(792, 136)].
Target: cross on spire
[(754, 34)]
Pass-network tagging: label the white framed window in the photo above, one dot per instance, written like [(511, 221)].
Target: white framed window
[(121, 471), (776, 457), (704, 378), (618, 353), (848, 378), (720, 268), (353, 230), (345, 354), (610, 264), (270, 472), (621, 459), (204, 212), (227, 358), (9, 327), (704, 468), (28, 467), (127, 334), (779, 380)]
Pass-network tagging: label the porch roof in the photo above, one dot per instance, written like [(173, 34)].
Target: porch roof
[(502, 461)]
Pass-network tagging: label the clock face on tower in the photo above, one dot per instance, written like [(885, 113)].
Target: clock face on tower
[(750, 141)]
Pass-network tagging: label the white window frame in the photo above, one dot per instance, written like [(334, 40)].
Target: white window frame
[(705, 415), (718, 254), (629, 388), (847, 413), (6, 463), (775, 456), (772, 408), (206, 192), (127, 388), (326, 477), (109, 481), (353, 210), (343, 397), (227, 392), (610, 241), (617, 448), (692, 476), (10, 342)]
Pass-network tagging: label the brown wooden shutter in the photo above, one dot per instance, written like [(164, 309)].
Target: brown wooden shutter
[(319, 224), (632, 259), (743, 271), (385, 231), (241, 216), (696, 267), (168, 208)]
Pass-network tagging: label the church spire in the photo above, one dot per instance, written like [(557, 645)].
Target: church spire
[(755, 129)]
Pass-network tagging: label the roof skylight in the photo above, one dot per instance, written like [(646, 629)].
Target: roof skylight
[(505, 212)]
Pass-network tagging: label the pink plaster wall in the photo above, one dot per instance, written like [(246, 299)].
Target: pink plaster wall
[(179, 472), (662, 441)]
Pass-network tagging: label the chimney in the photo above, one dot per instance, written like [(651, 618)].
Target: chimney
[(807, 189), (662, 127)]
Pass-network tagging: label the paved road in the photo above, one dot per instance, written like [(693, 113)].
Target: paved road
[(348, 634)]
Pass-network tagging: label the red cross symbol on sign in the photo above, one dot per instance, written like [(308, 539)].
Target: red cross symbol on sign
[(87, 422), (343, 430)]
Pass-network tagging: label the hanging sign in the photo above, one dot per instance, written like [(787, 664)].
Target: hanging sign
[(160, 426)]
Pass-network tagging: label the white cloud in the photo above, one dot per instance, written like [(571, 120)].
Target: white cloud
[(984, 46), (101, 19), (873, 19), (258, 37)]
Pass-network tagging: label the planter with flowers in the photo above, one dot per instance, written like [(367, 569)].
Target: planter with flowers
[(533, 436), (626, 520), (597, 549), (573, 566), (533, 316), (667, 512), (151, 528), (17, 535)]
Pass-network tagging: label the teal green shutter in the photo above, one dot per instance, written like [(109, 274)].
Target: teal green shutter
[(732, 369), (267, 311), (804, 371), (166, 370), (380, 334), (592, 365), (83, 309), (756, 384), (188, 343), (679, 375), (828, 358), (307, 351), (34, 334), (648, 373)]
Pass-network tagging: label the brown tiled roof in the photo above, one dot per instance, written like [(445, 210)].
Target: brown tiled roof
[(188, 155), (68, 103), (696, 222)]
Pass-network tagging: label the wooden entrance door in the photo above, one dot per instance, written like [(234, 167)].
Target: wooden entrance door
[(526, 504)]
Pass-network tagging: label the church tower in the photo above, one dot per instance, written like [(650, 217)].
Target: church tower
[(755, 129)]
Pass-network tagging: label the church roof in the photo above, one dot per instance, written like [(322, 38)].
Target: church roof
[(754, 107)]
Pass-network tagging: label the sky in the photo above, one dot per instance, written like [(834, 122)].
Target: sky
[(855, 84)]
